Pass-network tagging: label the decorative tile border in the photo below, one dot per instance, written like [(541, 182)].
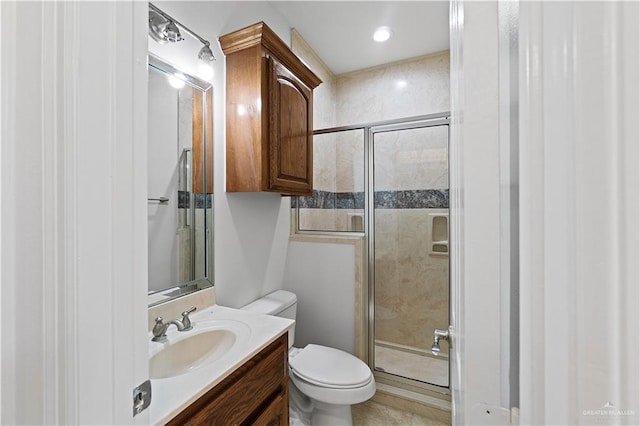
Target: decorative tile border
[(412, 199), (407, 199), (183, 199), (203, 201)]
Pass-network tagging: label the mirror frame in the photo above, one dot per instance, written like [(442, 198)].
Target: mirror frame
[(189, 287)]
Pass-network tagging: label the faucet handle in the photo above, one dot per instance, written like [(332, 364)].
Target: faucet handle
[(159, 330), (440, 335), (186, 321)]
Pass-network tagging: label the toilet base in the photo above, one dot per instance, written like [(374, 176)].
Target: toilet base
[(331, 414)]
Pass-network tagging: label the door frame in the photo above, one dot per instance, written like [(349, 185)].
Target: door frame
[(431, 120)]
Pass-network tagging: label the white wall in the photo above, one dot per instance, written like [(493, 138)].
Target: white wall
[(251, 229), (322, 276)]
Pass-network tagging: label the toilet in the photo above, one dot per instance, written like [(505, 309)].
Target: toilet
[(326, 381)]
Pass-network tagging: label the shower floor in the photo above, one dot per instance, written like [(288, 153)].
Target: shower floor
[(411, 365)]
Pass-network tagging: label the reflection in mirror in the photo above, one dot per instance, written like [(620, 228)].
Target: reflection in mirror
[(180, 183)]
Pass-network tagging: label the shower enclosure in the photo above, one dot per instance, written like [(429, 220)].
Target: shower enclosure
[(389, 182)]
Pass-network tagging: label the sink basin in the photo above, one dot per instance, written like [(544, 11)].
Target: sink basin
[(189, 350)]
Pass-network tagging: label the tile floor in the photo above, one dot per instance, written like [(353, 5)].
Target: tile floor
[(374, 414)]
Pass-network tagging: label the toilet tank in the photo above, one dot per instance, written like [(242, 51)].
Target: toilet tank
[(280, 303)]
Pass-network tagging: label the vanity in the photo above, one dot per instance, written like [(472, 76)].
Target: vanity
[(242, 380)]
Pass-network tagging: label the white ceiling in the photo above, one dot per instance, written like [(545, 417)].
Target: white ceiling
[(341, 32)]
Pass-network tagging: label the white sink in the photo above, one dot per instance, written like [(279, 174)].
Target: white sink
[(179, 381), (186, 351)]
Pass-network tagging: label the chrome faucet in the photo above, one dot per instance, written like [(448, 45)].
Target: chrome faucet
[(437, 336), (160, 328)]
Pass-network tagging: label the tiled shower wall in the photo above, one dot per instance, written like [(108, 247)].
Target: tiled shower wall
[(408, 88), (412, 283)]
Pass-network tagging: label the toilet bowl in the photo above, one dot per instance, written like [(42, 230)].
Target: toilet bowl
[(327, 381)]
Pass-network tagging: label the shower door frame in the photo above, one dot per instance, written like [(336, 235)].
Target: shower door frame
[(369, 129), (431, 120)]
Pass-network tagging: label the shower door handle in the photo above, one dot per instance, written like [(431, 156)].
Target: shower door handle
[(440, 335)]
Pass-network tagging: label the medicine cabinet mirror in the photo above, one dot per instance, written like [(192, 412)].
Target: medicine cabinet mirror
[(180, 183)]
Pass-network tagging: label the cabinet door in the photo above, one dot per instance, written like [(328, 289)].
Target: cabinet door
[(274, 415), (290, 132)]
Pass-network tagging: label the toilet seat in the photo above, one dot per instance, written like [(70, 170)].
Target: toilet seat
[(337, 396), (330, 368)]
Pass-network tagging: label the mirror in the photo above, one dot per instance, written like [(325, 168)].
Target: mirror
[(180, 182)]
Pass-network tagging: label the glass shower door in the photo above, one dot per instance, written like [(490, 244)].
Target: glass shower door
[(409, 201)]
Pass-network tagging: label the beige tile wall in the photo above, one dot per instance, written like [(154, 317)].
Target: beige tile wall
[(328, 219), (324, 96), (411, 159), (412, 284), (402, 89)]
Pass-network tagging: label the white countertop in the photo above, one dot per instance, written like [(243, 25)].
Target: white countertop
[(172, 395)]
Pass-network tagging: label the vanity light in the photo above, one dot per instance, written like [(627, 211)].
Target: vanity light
[(382, 34), (172, 33), (163, 28), (177, 80), (205, 54)]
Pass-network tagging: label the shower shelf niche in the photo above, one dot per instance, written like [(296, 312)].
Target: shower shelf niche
[(439, 245)]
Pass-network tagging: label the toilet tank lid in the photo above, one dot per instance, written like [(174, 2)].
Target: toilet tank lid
[(272, 303)]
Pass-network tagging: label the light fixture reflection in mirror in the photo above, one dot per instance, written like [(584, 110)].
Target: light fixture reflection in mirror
[(177, 80), (180, 159)]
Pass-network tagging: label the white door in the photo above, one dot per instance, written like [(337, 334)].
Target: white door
[(73, 254)]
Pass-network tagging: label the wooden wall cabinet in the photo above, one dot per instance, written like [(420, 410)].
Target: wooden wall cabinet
[(255, 394), (269, 116)]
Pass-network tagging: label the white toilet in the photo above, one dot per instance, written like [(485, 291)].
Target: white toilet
[(326, 381)]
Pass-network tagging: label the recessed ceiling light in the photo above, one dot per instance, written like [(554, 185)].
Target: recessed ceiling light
[(382, 34)]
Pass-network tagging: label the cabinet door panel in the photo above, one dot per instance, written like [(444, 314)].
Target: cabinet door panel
[(290, 119), (274, 414), (292, 131)]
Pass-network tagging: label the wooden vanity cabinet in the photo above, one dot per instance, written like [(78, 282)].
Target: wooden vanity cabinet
[(257, 393), (269, 114)]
